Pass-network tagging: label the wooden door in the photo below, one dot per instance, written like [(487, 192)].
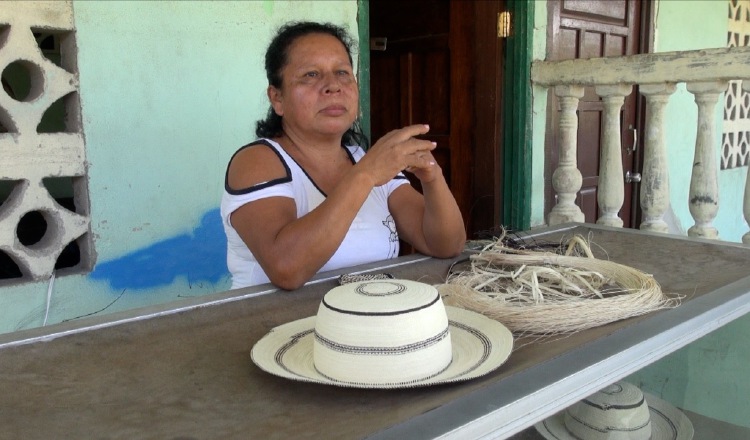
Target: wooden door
[(588, 29), (424, 60)]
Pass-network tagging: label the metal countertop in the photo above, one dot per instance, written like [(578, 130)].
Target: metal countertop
[(183, 370)]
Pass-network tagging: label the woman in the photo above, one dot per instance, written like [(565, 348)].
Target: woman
[(306, 197)]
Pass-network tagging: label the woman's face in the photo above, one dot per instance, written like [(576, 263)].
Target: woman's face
[(319, 92)]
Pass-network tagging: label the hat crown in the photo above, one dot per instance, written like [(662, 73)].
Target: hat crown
[(381, 296), (383, 332), (617, 412)]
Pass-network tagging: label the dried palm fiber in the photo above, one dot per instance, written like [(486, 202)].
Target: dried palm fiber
[(548, 293)]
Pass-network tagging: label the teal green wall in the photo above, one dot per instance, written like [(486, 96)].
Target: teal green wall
[(169, 90), (708, 376), (707, 22)]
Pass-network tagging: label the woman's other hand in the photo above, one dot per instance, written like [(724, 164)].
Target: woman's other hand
[(430, 221), (425, 167)]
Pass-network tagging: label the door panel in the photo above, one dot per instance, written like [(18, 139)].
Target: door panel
[(587, 29), (410, 80), (599, 10), (428, 73)]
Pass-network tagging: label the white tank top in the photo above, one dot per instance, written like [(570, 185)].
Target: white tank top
[(371, 237)]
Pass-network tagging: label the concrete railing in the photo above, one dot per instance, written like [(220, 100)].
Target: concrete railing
[(706, 74)]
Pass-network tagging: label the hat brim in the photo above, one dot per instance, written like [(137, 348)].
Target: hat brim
[(667, 423), (479, 346)]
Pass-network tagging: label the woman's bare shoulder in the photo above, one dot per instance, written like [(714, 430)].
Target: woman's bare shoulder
[(255, 164)]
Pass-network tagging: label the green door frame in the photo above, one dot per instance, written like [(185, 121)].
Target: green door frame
[(516, 121), (363, 69)]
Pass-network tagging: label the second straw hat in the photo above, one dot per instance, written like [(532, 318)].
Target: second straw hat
[(620, 411)]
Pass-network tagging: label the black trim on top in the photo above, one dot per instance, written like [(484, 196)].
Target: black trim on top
[(348, 153), (288, 177), (259, 186), (394, 313)]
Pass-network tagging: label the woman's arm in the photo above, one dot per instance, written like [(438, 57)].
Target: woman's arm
[(291, 250), (431, 222)]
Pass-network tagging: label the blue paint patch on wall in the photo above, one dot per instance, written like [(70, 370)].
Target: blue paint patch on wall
[(200, 256)]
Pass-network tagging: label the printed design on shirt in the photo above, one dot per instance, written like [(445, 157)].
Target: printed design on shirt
[(391, 225), (393, 239)]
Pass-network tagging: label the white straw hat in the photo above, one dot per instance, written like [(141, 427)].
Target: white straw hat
[(620, 411), (384, 334)]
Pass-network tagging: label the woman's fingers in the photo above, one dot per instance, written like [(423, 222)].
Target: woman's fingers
[(420, 160), (403, 134), (415, 154), (404, 141), (400, 150)]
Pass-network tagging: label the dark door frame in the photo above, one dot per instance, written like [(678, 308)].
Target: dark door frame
[(513, 209)]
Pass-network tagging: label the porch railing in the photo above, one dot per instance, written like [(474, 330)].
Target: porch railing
[(706, 74)]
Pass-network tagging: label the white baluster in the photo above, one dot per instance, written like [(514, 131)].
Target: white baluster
[(704, 186), (655, 181), (746, 202), (567, 179), (611, 190)]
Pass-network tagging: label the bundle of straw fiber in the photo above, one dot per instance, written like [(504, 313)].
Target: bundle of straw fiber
[(548, 293)]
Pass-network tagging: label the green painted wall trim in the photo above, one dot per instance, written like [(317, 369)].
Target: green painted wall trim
[(363, 72), (516, 120)]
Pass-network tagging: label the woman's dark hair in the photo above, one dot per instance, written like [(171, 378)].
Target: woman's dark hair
[(276, 59)]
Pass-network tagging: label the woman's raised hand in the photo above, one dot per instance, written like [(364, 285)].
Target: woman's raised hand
[(399, 150)]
